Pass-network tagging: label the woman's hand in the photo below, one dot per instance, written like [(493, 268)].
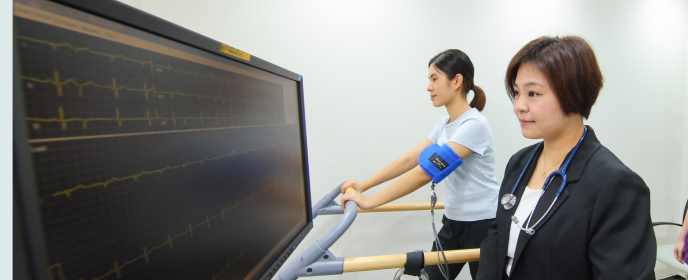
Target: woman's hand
[(352, 184), (679, 251), (353, 195)]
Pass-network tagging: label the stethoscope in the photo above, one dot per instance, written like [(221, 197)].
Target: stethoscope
[(509, 200)]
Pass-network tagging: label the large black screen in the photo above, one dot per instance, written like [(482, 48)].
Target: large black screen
[(152, 159)]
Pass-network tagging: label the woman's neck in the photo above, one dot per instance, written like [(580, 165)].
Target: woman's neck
[(556, 148), (456, 108)]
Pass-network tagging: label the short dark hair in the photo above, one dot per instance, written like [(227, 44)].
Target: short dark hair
[(453, 62), (570, 66)]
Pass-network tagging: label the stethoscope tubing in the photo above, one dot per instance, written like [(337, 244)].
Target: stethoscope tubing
[(562, 172)]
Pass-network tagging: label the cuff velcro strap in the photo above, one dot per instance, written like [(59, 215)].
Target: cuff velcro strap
[(415, 262), (439, 161)]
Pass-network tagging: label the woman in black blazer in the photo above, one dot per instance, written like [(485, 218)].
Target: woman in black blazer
[(600, 226)]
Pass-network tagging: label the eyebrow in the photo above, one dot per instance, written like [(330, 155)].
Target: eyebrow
[(529, 84), (433, 74)]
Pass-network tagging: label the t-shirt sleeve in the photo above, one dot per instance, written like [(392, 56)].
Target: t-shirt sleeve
[(471, 134), (435, 134)]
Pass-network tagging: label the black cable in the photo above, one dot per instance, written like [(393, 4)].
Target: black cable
[(433, 201)]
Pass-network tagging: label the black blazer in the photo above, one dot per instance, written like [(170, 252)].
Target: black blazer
[(599, 228)]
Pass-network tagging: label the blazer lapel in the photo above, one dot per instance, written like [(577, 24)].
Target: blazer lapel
[(540, 210), (504, 223)]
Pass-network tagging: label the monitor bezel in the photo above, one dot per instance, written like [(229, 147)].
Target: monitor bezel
[(30, 257)]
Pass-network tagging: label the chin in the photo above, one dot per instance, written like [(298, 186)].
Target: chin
[(530, 133)]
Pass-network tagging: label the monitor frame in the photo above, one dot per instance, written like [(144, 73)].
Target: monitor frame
[(29, 249)]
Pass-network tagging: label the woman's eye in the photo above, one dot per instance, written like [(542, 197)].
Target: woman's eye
[(515, 93), (532, 93)]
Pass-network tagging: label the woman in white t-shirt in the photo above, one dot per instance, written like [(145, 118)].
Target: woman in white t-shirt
[(471, 190)]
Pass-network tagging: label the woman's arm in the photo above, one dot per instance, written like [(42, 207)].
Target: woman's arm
[(391, 171), (679, 250), (408, 183), (622, 241)]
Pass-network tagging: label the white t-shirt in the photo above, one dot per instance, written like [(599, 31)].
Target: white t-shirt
[(471, 190), (528, 201)]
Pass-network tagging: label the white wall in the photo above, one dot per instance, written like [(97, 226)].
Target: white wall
[(684, 172), (365, 70)]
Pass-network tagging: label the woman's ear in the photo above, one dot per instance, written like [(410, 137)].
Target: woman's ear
[(457, 82)]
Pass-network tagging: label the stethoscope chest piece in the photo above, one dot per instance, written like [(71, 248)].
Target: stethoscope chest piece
[(508, 201)]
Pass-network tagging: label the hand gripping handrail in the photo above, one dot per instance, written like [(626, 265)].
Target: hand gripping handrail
[(329, 206), (316, 259)]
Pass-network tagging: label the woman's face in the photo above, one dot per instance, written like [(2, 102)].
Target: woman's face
[(536, 106), (442, 90)]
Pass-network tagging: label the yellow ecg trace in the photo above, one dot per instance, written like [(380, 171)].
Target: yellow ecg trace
[(112, 57), (59, 85), (61, 118), (68, 192), (145, 255)]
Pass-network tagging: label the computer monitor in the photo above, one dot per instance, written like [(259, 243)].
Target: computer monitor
[(143, 150)]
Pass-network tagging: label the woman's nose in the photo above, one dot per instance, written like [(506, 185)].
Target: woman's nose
[(520, 105)]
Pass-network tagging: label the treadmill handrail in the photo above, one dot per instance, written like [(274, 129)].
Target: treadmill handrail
[(329, 206), (328, 202), (318, 260), (302, 266), (356, 264)]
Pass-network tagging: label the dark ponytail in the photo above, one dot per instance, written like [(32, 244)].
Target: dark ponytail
[(453, 62), (479, 98)]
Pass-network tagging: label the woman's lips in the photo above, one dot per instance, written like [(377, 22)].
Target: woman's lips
[(432, 97), (524, 122)]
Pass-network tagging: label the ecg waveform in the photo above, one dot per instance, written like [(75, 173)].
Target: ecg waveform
[(61, 118), (146, 252), (115, 88), (234, 104), (218, 116), (235, 101), (68, 192), (153, 66)]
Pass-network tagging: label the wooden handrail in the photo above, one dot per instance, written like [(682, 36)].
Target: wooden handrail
[(398, 261), (400, 206), (403, 207)]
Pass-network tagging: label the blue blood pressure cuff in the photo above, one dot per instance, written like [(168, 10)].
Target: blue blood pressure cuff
[(439, 161)]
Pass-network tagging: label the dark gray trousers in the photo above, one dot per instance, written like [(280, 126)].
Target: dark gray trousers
[(457, 235)]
